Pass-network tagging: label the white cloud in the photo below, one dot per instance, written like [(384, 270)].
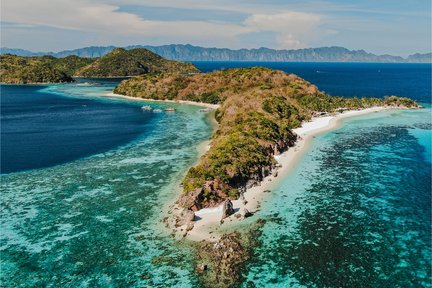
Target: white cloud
[(292, 29)]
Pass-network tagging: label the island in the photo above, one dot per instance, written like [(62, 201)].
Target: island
[(259, 112), (118, 63), (44, 69), (121, 62), (258, 109)]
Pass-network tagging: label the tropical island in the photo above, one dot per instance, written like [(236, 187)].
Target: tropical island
[(259, 114), (259, 108), (118, 63)]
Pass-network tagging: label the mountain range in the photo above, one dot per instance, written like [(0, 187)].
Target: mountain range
[(188, 52)]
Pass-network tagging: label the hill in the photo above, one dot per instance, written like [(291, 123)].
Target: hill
[(45, 69), (122, 62), (195, 53), (259, 107), (119, 62)]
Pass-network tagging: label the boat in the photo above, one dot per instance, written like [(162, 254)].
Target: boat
[(157, 110), (170, 109), (146, 108), (205, 110)]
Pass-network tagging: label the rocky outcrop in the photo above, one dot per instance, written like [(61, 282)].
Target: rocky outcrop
[(181, 220), (219, 262), (228, 209), (246, 213)]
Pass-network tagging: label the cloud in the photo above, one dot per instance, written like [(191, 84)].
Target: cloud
[(83, 15), (293, 29)]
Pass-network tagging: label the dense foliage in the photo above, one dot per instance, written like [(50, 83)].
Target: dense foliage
[(121, 62), (45, 69), (259, 107)]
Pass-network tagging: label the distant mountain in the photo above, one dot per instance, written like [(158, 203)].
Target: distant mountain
[(138, 61), (196, 53)]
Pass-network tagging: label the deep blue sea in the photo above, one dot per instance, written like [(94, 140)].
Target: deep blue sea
[(85, 178)]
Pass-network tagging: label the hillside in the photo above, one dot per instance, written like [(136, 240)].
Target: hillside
[(195, 53), (45, 69), (122, 62), (259, 107)]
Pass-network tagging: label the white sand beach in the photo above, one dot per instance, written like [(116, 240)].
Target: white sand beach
[(207, 220), (200, 104)]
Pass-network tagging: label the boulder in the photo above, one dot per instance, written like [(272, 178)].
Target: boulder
[(228, 209), (246, 213), (184, 217), (242, 199), (192, 200), (201, 268)]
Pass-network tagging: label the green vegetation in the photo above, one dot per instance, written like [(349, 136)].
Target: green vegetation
[(121, 62), (259, 107), (45, 69)]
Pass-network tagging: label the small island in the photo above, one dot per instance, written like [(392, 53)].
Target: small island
[(259, 108), (118, 63)]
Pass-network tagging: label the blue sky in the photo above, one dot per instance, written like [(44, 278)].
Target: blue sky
[(377, 26)]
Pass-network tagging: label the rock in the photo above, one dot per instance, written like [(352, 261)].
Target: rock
[(242, 199), (250, 183), (184, 217), (201, 268), (274, 173), (246, 213), (189, 226), (192, 200), (237, 215), (228, 209)]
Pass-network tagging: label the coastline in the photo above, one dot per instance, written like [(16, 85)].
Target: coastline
[(208, 220), (200, 104)]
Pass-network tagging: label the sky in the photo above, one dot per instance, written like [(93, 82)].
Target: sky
[(377, 26)]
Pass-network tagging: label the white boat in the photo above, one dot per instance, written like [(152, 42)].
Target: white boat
[(157, 110), (146, 108), (170, 109)]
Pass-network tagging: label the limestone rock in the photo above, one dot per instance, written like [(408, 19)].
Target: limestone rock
[(189, 226), (246, 213), (243, 199), (228, 209), (184, 217), (201, 268)]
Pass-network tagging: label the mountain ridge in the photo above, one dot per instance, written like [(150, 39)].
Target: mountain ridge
[(187, 52)]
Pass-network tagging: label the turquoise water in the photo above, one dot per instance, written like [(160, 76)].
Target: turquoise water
[(356, 212), (95, 222)]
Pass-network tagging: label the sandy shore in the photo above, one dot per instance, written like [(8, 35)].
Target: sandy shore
[(207, 221), (200, 104)]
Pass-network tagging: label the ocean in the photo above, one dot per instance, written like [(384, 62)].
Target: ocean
[(86, 178)]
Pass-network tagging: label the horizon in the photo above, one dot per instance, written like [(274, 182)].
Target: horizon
[(388, 27), (187, 44)]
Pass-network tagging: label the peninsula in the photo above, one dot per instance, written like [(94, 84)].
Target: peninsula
[(259, 108)]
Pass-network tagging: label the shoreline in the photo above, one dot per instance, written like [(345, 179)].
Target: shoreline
[(200, 104), (207, 223)]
